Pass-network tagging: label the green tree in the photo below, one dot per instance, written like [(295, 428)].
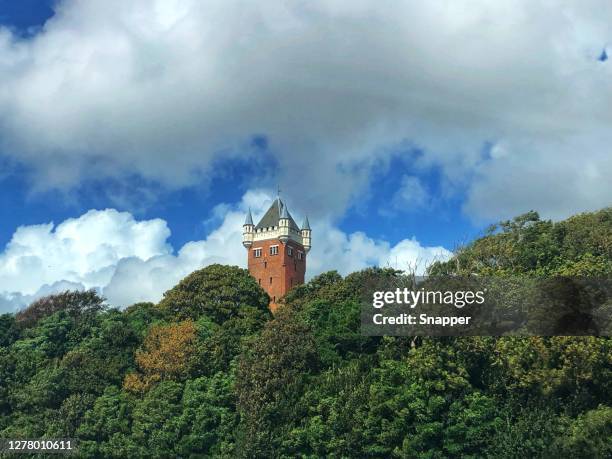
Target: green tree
[(70, 415), (219, 292), (9, 332), (155, 425), (106, 429), (270, 381), (588, 436), (209, 419)]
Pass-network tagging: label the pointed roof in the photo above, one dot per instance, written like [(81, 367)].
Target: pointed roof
[(306, 224), (249, 218), (273, 215), (603, 56), (284, 212)]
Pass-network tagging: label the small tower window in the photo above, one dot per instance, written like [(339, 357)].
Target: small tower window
[(300, 255), (257, 253), (259, 281), (265, 264), (270, 281), (274, 250), (290, 251)]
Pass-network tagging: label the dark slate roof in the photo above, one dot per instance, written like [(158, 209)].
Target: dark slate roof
[(249, 219), (273, 214), (306, 224)]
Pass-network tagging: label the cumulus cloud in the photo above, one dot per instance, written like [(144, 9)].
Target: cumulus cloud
[(130, 261), (83, 250), (163, 88)]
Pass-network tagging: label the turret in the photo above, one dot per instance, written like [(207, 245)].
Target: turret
[(283, 223), (306, 234), (248, 230)]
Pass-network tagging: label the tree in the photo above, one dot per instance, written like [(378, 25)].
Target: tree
[(75, 303), (141, 315), (70, 415), (166, 354), (209, 419), (155, 420), (527, 431), (580, 245), (217, 291), (589, 435), (336, 424), (218, 346), (270, 380), (105, 430), (471, 423), (9, 332)]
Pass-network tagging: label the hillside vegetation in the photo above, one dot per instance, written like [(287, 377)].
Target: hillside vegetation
[(208, 372)]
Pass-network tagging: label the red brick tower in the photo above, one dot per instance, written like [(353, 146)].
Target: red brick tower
[(277, 250)]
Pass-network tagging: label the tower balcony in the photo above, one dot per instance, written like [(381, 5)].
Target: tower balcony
[(247, 239)]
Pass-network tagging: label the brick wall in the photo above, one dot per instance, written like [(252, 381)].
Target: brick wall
[(277, 274)]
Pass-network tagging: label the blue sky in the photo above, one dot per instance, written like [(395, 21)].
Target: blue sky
[(25, 15), (392, 130)]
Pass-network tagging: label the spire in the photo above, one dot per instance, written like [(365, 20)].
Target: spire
[(249, 218), (279, 204), (305, 224), (284, 212), (603, 56)]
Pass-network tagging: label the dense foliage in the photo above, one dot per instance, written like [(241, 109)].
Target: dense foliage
[(208, 372)]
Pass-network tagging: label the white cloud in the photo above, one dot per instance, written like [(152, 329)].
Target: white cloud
[(84, 250), (411, 195), (162, 88), (346, 253), (130, 261)]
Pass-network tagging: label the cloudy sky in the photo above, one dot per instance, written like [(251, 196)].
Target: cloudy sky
[(134, 135)]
